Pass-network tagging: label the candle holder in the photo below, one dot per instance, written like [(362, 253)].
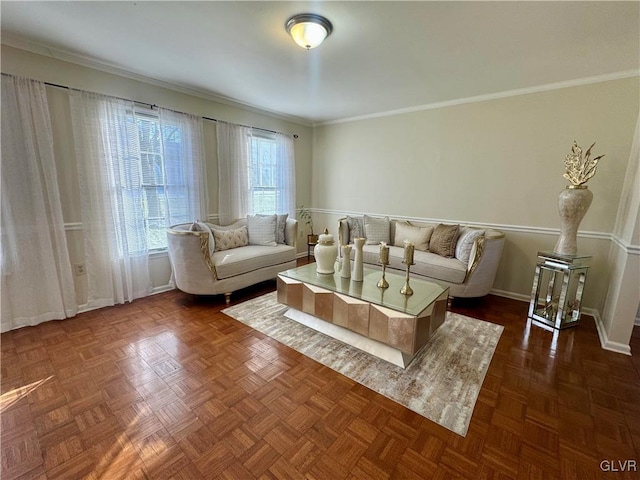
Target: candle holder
[(406, 289), (382, 283), (408, 261), (384, 260)]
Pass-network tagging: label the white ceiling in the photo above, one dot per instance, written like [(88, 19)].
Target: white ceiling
[(382, 56)]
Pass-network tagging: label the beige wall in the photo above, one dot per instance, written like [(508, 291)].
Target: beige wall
[(20, 62), (497, 162)]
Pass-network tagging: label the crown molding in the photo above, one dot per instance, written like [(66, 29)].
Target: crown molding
[(491, 96), (85, 61), (82, 60)]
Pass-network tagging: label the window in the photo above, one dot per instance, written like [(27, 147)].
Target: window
[(160, 164), (256, 172), (262, 175)]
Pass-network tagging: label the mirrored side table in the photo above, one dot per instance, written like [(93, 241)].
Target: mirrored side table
[(556, 296)]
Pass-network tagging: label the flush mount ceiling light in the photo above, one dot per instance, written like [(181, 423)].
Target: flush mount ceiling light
[(308, 29)]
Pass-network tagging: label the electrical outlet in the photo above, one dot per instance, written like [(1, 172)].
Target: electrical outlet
[(79, 269), (300, 233)]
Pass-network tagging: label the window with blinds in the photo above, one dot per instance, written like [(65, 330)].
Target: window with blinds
[(262, 174), (160, 164)]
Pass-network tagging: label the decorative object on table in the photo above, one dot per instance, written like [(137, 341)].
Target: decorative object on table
[(556, 296), (325, 253), (575, 199), (305, 216), (408, 261), (345, 270), (358, 264), (384, 260)]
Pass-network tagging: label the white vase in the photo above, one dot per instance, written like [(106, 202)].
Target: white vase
[(573, 203), (345, 270), (358, 274), (325, 253)]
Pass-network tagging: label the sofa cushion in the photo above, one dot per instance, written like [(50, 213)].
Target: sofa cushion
[(356, 228), (427, 264), (237, 261), (439, 267), (419, 236), (443, 240), (465, 243), (376, 229), (262, 229), (228, 239)]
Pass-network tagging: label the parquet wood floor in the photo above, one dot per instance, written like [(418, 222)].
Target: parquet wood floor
[(167, 387)]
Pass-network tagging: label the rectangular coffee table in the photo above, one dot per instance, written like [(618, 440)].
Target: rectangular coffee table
[(382, 322)]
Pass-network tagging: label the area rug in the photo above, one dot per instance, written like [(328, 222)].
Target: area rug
[(442, 383)]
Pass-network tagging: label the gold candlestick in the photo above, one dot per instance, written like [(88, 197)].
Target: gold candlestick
[(384, 260), (408, 261), (382, 283), (406, 289)]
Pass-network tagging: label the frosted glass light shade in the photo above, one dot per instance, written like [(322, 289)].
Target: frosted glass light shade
[(308, 30)]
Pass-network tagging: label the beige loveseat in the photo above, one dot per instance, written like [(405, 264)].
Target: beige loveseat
[(200, 268), (466, 277)]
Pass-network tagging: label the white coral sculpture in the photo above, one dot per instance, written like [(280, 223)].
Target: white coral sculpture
[(579, 169)]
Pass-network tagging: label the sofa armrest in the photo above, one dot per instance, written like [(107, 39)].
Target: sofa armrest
[(485, 255), (291, 232), (190, 254)]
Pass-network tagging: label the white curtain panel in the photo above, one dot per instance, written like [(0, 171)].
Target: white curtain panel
[(234, 154), (286, 175), (111, 198), (185, 167), (37, 281)]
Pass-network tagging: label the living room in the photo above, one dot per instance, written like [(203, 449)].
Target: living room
[(492, 157)]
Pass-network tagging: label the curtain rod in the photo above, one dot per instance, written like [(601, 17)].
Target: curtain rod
[(153, 105)]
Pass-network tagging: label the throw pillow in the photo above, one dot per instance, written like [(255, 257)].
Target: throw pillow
[(443, 240), (356, 228), (419, 236), (262, 229), (376, 229), (280, 226), (228, 239), (465, 242)]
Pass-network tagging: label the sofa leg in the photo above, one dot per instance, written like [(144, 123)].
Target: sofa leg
[(227, 298)]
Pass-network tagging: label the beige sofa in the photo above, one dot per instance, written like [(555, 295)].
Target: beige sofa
[(201, 270), (471, 278)]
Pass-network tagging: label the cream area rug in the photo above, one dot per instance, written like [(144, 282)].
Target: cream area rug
[(442, 383)]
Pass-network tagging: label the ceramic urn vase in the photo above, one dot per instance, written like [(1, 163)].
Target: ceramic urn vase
[(573, 204), (325, 253)]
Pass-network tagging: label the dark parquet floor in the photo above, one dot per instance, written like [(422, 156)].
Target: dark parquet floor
[(167, 387)]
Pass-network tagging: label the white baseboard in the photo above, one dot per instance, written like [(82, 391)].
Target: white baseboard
[(154, 290), (512, 295), (162, 288), (605, 343)]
